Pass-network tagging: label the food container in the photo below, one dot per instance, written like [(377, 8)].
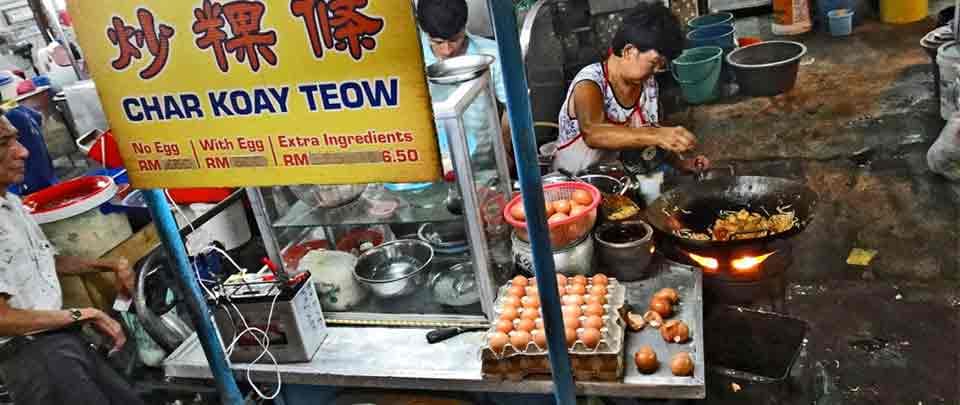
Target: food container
[(571, 260), (455, 286), (563, 232), (396, 268), (606, 184), (768, 68), (332, 276), (70, 216), (328, 196), (625, 248), (601, 363), (444, 237)]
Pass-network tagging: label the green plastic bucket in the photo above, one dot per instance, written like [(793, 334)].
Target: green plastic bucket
[(698, 72)]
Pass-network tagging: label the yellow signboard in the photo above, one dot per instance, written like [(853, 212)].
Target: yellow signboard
[(234, 93)]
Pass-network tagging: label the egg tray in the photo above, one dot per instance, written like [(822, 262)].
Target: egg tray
[(603, 363)]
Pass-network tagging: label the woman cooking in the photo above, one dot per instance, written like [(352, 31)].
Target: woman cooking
[(613, 105)]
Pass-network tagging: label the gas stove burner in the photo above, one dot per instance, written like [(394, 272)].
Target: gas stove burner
[(752, 276)]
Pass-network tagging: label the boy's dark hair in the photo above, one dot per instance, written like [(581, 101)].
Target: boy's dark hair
[(442, 18), (650, 26)]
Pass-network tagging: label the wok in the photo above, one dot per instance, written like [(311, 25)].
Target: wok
[(701, 203)]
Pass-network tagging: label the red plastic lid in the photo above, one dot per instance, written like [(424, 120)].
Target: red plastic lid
[(70, 198)]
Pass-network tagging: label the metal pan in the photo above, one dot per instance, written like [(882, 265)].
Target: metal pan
[(700, 204)]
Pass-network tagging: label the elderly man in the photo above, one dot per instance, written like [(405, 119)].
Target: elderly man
[(443, 26), (43, 358)]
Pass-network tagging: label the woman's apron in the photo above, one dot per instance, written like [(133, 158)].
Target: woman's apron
[(575, 155)]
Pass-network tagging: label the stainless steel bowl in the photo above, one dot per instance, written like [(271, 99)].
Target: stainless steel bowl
[(456, 286), (396, 268), (604, 183), (328, 196), (572, 260), (459, 69), (443, 235)]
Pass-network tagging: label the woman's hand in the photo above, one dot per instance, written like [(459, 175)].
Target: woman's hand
[(676, 139)]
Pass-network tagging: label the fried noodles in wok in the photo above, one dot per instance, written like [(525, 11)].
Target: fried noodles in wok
[(743, 224)]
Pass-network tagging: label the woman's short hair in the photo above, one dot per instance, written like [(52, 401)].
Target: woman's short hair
[(650, 26)]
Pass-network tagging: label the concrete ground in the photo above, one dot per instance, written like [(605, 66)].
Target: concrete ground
[(856, 129)]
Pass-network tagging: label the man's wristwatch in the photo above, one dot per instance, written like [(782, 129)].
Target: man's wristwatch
[(75, 314)]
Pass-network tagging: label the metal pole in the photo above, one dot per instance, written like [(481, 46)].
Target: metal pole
[(199, 312), (525, 153)]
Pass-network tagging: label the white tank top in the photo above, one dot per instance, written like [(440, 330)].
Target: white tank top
[(573, 154)]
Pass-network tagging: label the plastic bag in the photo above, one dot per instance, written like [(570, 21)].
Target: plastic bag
[(791, 17), (944, 156)]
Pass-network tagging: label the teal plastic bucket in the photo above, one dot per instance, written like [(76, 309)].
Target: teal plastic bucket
[(715, 35), (710, 19), (698, 72)]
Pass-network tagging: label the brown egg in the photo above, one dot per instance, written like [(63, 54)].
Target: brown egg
[(538, 323), (497, 341), (598, 290), (571, 311), (668, 294), (646, 360), (530, 301), (519, 339), (561, 279), (533, 290), (516, 291), (674, 331), (662, 307), (571, 322), (653, 319), (526, 325), (529, 313), (600, 279), (571, 335), (593, 321), (520, 281), (504, 326), (598, 299), (509, 313), (590, 337), (579, 279), (594, 309), (572, 300), (511, 301), (681, 364), (539, 338), (576, 289)]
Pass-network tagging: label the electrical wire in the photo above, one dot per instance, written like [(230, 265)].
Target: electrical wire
[(264, 344), (265, 341)]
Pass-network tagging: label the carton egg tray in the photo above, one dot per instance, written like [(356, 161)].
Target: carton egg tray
[(612, 331)]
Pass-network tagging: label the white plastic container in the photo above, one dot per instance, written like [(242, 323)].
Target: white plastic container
[(69, 214), (230, 227)]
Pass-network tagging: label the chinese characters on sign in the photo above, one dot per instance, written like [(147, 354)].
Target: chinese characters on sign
[(130, 41), (340, 21), (258, 92), (248, 42)]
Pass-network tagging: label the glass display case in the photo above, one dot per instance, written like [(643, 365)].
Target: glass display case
[(327, 229)]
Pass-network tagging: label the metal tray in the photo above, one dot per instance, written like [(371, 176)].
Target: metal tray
[(688, 282)]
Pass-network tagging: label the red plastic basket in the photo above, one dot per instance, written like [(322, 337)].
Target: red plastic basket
[(563, 232)]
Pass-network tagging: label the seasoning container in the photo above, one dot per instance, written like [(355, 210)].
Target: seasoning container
[(625, 248)]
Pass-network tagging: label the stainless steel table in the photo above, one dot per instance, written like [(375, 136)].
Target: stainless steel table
[(396, 358)]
